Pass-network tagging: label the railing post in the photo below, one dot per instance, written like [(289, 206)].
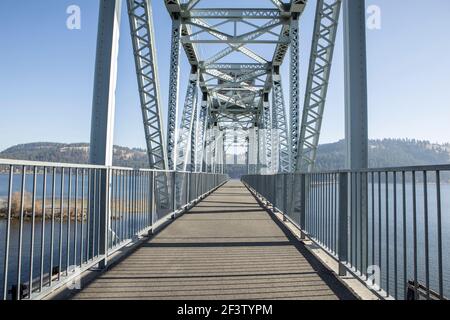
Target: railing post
[(152, 201), (104, 212), (186, 188), (285, 185), (274, 203), (343, 223), (174, 195), (302, 206)]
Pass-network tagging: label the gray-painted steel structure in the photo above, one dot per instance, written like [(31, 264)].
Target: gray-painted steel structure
[(245, 94), (325, 30)]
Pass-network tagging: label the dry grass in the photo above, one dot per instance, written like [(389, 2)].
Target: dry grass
[(81, 214)]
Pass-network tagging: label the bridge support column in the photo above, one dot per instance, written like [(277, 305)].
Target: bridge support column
[(356, 131), (103, 109)]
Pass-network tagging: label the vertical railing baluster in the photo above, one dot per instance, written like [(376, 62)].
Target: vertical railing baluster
[(302, 206), (19, 256), (395, 238), (44, 195), (379, 224), (94, 214), (33, 226), (152, 191), (405, 250), (387, 231), (89, 215), (415, 229), (8, 233), (372, 180), (343, 223), (69, 196), (75, 230), (83, 182), (427, 255), (439, 235), (52, 231), (351, 211)]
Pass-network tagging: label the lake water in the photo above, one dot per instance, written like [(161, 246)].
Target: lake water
[(71, 242), (378, 255), (385, 237)]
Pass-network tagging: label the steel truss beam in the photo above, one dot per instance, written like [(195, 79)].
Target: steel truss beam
[(239, 66), (281, 152), (243, 41), (141, 25), (267, 125), (236, 90), (186, 138), (143, 39), (213, 13), (253, 149), (296, 7), (201, 133), (173, 94), (294, 89), (325, 30)]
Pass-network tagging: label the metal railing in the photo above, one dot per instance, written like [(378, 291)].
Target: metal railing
[(59, 220), (387, 227)]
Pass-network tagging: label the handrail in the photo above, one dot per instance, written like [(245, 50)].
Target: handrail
[(72, 217), (30, 163), (385, 226)]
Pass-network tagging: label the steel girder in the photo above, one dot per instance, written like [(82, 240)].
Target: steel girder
[(281, 152), (105, 80), (194, 135), (230, 13), (236, 90), (294, 90), (267, 120), (185, 138), (142, 35), (141, 24), (173, 94), (224, 152), (295, 8), (206, 149), (325, 30), (201, 133), (253, 149), (243, 40), (213, 139)]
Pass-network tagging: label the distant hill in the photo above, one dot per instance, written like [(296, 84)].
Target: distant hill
[(73, 153), (382, 153), (386, 153)]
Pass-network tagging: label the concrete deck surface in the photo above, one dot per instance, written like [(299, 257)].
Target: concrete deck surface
[(227, 247)]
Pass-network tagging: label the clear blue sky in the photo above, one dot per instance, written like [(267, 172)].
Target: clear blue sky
[(46, 72)]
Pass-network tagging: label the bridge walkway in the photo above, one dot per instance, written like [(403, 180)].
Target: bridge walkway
[(227, 247)]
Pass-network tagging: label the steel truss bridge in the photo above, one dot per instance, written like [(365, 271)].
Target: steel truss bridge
[(235, 97)]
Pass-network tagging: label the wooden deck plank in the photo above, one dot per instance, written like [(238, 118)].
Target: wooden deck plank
[(227, 247)]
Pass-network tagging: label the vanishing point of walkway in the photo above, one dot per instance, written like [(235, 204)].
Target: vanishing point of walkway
[(227, 247)]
